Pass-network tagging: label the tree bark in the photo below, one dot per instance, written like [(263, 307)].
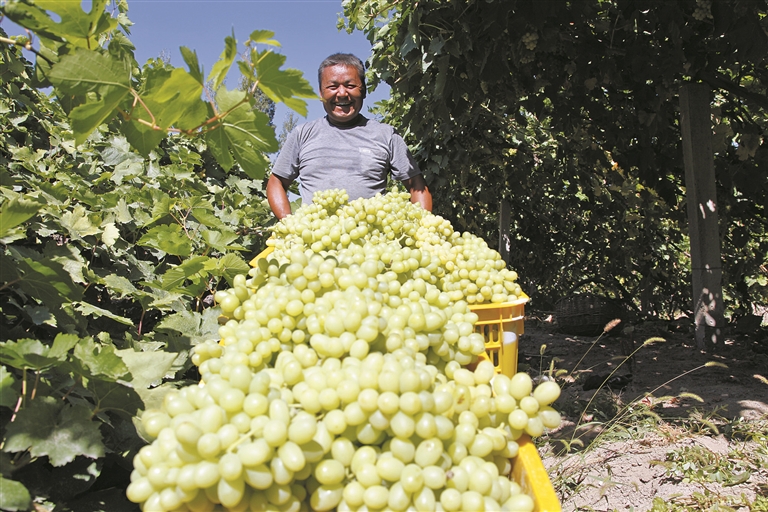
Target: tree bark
[(696, 127)]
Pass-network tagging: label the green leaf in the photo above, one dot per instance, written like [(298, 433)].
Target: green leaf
[(13, 495), (48, 282), (122, 286), (244, 132), (170, 97), (84, 72), (115, 396), (62, 344), (110, 234), (190, 58), (221, 67), (221, 241), (218, 144), (263, 37), (195, 327), (142, 138), (76, 26), (96, 312), (9, 395), (87, 117), (169, 239), (174, 279), (28, 354), (147, 368), (77, 223), (284, 86), (15, 212), (99, 359), (231, 265), (49, 427)]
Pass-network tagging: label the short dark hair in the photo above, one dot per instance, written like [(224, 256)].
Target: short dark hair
[(344, 59)]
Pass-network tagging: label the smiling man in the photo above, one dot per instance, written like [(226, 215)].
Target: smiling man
[(344, 149)]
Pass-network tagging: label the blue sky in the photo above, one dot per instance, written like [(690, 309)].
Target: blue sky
[(306, 30)]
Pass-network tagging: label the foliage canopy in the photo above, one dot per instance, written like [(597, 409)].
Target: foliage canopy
[(127, 198), (570, 111)]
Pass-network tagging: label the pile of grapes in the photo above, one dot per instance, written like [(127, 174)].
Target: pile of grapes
[(341, 380)]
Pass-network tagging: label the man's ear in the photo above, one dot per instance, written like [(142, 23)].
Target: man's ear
[(365, 92)]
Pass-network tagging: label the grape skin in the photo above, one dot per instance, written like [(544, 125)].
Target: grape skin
[(388, 466), (339, 373)]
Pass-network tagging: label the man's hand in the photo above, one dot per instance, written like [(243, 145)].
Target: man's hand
[(417, 187), (277, 196)]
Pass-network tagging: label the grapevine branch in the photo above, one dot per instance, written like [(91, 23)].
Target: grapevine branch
[(27, 45)]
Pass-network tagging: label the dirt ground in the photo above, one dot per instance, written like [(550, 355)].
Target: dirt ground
[(670, 376)]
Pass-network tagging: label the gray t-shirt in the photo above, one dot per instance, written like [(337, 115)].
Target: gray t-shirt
[(357, 158)]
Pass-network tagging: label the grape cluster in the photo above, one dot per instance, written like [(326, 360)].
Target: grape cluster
[(386, 227), (341, 379), (385, 431), (703, 10), (530, 39)]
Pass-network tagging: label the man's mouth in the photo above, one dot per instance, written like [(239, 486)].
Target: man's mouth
[(343, 104)]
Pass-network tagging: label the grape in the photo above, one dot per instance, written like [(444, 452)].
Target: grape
[(339, 380)]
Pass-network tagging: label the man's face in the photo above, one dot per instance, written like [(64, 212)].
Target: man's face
[(342, 93)]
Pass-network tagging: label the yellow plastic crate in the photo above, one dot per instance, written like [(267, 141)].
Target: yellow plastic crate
[(501, 325), (262, 254), (528, 471)]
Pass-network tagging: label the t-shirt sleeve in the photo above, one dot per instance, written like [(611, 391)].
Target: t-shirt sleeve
[(287, 162), (403, 165)]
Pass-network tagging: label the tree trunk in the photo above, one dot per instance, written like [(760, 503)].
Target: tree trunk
[(696, 127)]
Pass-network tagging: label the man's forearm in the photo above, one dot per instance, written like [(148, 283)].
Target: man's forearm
[(278, 197), (420, 194)]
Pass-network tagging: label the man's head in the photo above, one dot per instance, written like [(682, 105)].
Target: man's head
[(342, 87)]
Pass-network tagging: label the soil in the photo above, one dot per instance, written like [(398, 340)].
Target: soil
[(697, 403)]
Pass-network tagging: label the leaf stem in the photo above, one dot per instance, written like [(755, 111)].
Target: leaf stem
[(27, 46)]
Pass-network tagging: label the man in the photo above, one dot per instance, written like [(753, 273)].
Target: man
[(344, 149)]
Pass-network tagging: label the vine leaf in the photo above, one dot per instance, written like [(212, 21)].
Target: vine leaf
[(47, 281), (242, 133), (115, 396), (147, 368), (76, 26), (9, 395), (174, 279), (78, 223), (13, 495), (15, 212), (99, 81), (169, 239), (263, 37), (29, 353), (99, 359), (96, 312), (192, 62), (48, 427), (221, 67), (170, 98), (196, 327), (285, 86), (231, 265), (221, 240)]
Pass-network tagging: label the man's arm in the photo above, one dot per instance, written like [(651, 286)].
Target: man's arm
[(277, 196), (417, 187)]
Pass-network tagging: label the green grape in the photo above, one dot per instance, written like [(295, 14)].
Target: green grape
[(520, 385), (529, 404), (230, 492), (546, 392)]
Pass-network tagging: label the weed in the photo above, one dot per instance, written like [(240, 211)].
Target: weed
[(698, 464), (603, 418)]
